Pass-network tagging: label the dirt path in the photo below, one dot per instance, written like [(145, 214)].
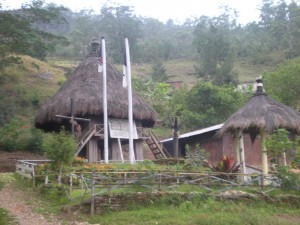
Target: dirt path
[(21, 208)]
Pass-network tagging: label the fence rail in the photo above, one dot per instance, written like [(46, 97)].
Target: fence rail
[(93, 184)]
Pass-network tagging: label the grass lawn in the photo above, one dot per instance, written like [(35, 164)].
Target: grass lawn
[(208, 211)]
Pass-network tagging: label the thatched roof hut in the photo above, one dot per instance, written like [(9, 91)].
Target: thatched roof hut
[(262, 112), (260, 115), (85, 87)]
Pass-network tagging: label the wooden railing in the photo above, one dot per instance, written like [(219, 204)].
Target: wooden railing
[(26, 168), (163, 149)]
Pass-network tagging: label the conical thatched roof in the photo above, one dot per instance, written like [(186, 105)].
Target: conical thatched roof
[(262, 112), (85, 87)]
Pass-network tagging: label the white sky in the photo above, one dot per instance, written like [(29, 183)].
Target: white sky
[(178, 10)]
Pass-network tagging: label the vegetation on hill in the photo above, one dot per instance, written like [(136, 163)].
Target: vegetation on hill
[(203, 52)]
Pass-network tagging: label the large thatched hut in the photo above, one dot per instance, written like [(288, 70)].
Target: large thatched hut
[(85, 87), (261, 115)]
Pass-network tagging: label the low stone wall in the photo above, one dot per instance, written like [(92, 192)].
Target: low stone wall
[(117, 202)]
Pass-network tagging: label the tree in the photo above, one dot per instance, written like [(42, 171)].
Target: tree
[(158, 71), (283, 83), (282, 23), (116, 23), (19, 33), (156, 94), (205, 104), (60, 147), (214, 43), (278, 144)]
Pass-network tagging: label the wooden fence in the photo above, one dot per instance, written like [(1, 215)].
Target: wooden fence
[(88, 185)]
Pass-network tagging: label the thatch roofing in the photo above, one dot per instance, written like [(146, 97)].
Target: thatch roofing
[(85, 87), (262, 112)]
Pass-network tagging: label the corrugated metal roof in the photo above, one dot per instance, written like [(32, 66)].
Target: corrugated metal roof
[(196, 132)]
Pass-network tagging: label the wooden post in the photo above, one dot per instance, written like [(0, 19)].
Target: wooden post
[(284, 159), (46, 178), (159, 182), (264, 157), (82, 183), (92, 194), (242, 154), (33, 179), (175, 138), (120, 149), (71, 183), (72, 116)]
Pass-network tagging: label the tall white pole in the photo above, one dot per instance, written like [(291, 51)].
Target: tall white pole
[(130, 114), (105, 101)]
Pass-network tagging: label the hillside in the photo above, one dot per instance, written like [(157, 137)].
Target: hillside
[(25, 87), (177, 70)]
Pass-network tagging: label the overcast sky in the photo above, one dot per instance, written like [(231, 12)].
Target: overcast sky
[(178, 10)]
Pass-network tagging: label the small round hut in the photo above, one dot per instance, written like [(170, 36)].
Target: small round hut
[(261, 115), (80, 99)]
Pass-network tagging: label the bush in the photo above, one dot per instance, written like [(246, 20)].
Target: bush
[(60, 147), (195, 157), (289, 179), (10, 134)]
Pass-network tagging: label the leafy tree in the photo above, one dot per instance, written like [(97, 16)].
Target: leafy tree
[(156, 94), (278, 144), (19, 33), (214, 43), (283, 83), (10, 134), (116, 23), (205, 104), (60, 147), (282, 23), (158, 71)]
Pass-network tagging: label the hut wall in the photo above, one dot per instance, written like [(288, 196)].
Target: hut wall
[(138, 147), (92, 151), (115, 150), (217, 147), (252, 151)]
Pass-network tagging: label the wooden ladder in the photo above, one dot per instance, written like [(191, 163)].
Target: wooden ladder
[(156, 148), (85, 136)]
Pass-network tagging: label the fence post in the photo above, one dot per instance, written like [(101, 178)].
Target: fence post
[(262, 182), (82, 183), (46, 178), (209, 179), (33, 179), (71, 183), (159, 182), (92, 194)]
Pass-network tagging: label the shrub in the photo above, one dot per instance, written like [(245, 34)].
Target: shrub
[(10, 133), (60, 147), (289, 179), (195, 156)]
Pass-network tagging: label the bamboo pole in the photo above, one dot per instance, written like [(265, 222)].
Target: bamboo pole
[(264, 157), (242, 154)]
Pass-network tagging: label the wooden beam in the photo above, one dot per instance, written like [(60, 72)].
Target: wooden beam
[(75, 118)]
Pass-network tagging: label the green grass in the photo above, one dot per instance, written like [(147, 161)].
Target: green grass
[(200, 209), (184, 70), (6, 218), (207, 211)]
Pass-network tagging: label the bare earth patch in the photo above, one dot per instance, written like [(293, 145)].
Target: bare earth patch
[(22, 204), (8, 160)]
